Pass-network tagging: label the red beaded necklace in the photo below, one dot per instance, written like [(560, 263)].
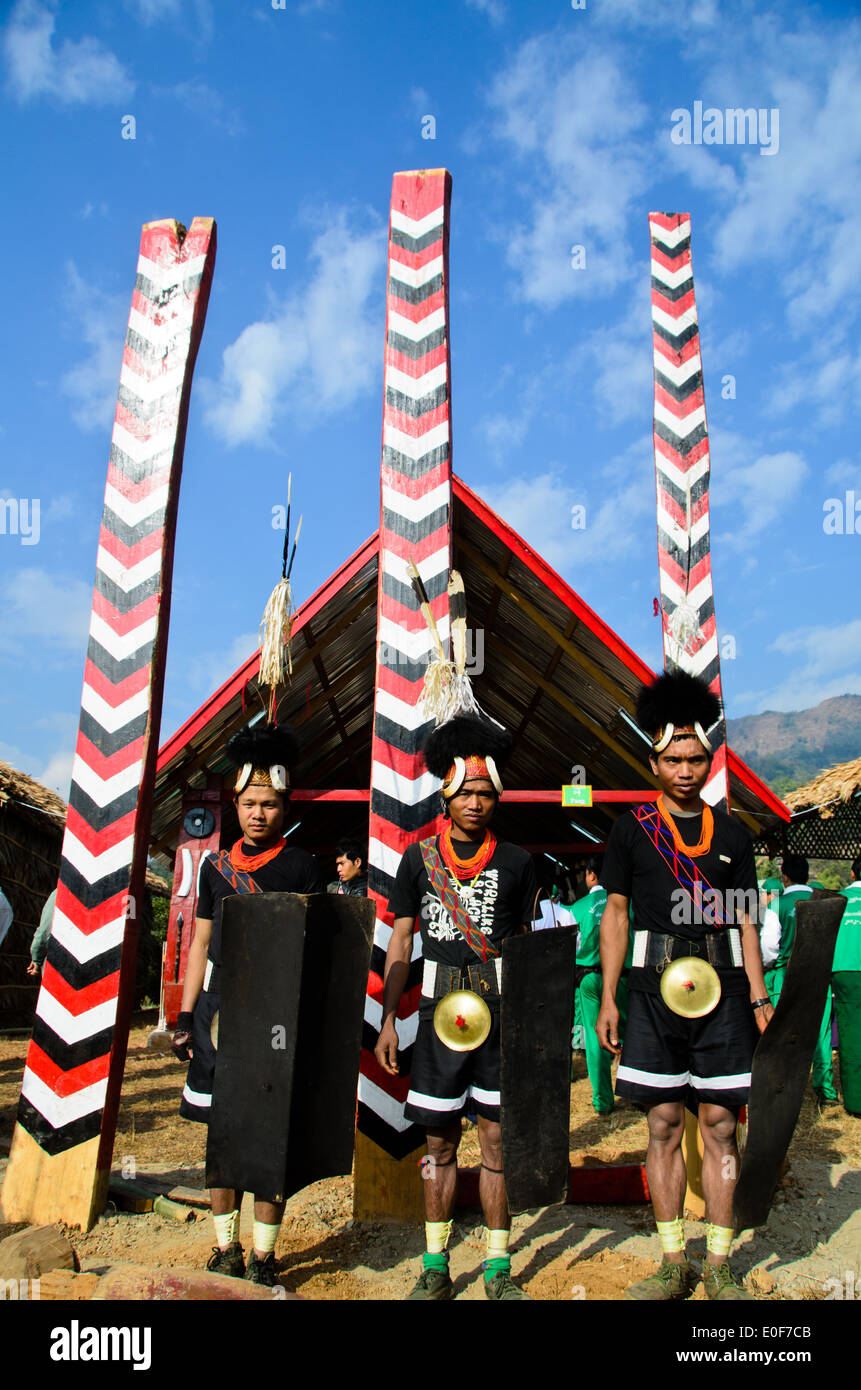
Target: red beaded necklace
[(467, 868), (240, 860)]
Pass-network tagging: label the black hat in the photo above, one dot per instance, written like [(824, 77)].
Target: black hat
[(264, 755), (677, 700), (465, 747)]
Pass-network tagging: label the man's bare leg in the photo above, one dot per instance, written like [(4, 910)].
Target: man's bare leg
[(665, 1165), (491, 1182), (720, 1166), (440, 1172)]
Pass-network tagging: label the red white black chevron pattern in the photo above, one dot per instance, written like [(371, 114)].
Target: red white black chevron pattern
[(71, 1083), (682, 471), (415, 521)]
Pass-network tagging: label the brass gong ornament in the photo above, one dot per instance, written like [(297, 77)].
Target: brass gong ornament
[(461, 1020), (690, 987)]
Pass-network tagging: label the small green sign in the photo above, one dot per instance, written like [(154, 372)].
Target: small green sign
[(576, 796)]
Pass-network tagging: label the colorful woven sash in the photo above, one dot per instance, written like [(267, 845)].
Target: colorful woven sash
[(681, 866), (444, 889), (239, 880)]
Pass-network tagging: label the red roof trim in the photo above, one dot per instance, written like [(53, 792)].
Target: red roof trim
[(232, 687), (575, 604)]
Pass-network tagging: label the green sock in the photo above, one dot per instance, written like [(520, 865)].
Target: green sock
[(500, 1265), (436, 1261)]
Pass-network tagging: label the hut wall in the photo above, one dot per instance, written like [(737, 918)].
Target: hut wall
[(29, 864)]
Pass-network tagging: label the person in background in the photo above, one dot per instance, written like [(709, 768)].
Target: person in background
[(846, 981), (351, 863), (795, 872), (588, 912), (39, 944)]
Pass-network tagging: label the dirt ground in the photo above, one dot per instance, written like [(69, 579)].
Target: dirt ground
[(560, 1253)]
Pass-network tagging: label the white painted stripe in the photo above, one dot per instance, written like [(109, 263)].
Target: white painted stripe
[(62, 1110), (199, 1098), (128, 577), (408, 790), (106, 716), (168, 339), (696, 597), (73, 1028), (407, 1027), (414, 646), (148, 449), (721, 1083), (388, 1109), (678, 373), (175, 273), (406, 328), (417, 277), (92, 867), (417, 227), (406, 716), (682, 478), (133, 513), (652, 1078), (673, 278), (86, 946), (415, 386), (681, 426), (673, 325), (382, 857), (155, 386), (706, 654), (122, 645), (104, 792), (678, 532), (486, 1097), (416, 508), (415, 447), (383, 934), (670, 238), (443, 1106), (429, 568)]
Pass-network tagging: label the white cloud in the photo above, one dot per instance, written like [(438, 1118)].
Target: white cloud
[(844, 473), (57, 773), (570, 112), (74, 72), (832, 387), (42, 608), (321, 346), (758, 492), (99, 320), (494, 9), (209, 672), (823, 659)]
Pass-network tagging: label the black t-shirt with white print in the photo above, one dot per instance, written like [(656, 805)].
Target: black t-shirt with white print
[(634, 868), (498, 902)]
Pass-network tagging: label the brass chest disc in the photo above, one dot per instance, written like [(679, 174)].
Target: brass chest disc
[(690, 987), (461, 1020)]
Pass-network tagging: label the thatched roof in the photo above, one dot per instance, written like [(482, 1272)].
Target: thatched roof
[(29, 794), (828, 789), (47, 810)]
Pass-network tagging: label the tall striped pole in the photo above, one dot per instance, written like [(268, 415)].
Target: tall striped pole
[(682, 476), (415, 522), (60, 1160)]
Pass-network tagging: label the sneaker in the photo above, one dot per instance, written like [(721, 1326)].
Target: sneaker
[(670, 1280), (719, 1283), (432, 1284), (503, 1286), (230, 1261), (261, 1271)]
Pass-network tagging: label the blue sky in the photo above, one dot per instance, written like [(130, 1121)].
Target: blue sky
[(286, 125)]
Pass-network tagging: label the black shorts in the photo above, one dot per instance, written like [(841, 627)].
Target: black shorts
[(445, 1084), (666, 1057), (197, 1092)]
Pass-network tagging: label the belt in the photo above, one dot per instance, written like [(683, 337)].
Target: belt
[(718, 948), (483, 978)]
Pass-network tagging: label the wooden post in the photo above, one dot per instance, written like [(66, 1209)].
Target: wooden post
[(682, 466), (415, 521), (60, 1160)]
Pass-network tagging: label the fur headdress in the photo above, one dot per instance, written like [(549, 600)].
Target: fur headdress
[(676, 700), (465, 747), (264, 755)]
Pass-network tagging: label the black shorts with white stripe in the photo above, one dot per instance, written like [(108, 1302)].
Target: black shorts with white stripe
[(444, 1084), (666, 1057), (197, 1092)]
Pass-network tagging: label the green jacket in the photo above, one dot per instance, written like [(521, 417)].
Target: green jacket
[(847, 952), (786, 905)]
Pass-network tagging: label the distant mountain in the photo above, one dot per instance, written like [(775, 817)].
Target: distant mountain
[(787, 750)]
